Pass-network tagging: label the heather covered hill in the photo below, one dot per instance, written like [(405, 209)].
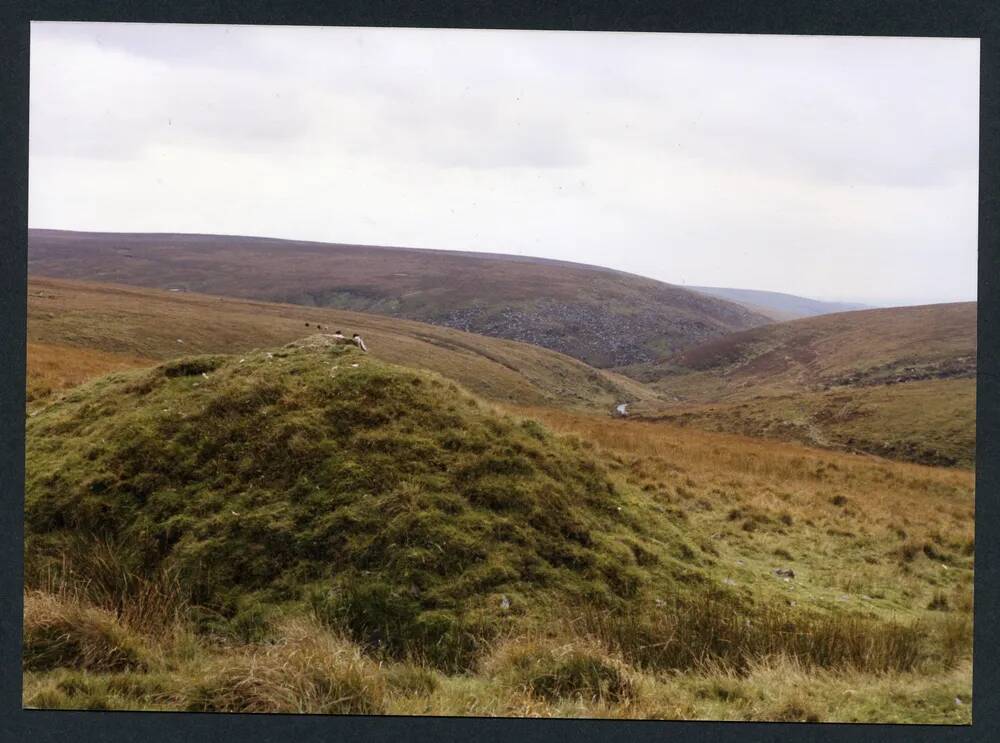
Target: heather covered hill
[(897, 382), (606, 318), (862, 348)]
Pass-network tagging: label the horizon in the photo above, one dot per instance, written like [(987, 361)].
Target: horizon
[(872, 305), (376, 137)]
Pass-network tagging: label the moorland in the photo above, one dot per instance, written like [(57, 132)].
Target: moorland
[(227, 510)]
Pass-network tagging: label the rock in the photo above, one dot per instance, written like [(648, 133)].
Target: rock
[(784, 572)]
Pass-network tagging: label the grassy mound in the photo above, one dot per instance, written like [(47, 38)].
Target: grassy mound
[(394, 505)]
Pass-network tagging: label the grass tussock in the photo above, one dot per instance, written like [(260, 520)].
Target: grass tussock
[(108, 576), (306, 671), (59, 632), (552, 670)]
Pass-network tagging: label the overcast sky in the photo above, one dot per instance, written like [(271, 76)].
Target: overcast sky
[(835, 168)]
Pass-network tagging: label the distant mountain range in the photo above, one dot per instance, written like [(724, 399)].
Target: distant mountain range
[(777, 305)]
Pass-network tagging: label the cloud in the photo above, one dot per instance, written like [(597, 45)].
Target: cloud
[(803, 164)]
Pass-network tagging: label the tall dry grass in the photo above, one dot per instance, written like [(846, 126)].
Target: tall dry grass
[(60, 631), (102, 574), (927, 503), (711, 633), (307, 670)]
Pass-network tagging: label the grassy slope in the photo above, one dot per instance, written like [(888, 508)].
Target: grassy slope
[(702, 514), (897, 382), (930, 422), (77, 329), (54, 367), (604, 317), (849, 348)]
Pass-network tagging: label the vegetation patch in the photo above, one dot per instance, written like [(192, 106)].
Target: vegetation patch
[(308, 671), (552, 670), (64, 633)]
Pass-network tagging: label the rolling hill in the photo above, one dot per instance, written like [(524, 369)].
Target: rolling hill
[(862, 348), (603, 317), (897, 382), (778, 305), (77, 330)]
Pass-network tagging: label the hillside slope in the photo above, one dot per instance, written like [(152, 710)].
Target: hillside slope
[(862, 348), (897, 382), (603, 317), (71, 324)]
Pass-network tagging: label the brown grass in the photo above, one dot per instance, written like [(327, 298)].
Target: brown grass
[(54, 367), (103, 574), (307, 670), (60, 631), (781, 477), (571, 668)]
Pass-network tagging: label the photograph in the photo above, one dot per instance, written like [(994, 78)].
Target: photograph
[(500, 373)]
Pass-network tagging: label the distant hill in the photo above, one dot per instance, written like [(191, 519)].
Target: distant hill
[(865, 347), (777, 305), (897, 382), (603, 317), (77, 330)]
